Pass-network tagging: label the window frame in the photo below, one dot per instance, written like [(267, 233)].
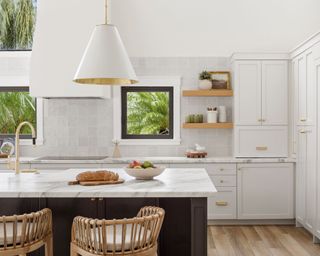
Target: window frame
[(21, 80), (125, 90), (149, 81)]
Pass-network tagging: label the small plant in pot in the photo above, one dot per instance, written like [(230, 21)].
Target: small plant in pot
[(205, 82)]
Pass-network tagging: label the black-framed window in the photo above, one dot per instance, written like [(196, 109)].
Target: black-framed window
[(16, 106), (147, 112)]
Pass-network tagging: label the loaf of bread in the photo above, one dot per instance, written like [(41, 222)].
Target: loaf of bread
[(97, 176)]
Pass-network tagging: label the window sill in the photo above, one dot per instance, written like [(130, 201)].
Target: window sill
[(146, 142)]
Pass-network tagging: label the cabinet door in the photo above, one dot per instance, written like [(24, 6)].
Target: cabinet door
[(301, 177), (317, 72), (265, 191), (261, 141), (311, 176), (275, 92), (64, 210), (223, 205), (247, 93), (304, 74)]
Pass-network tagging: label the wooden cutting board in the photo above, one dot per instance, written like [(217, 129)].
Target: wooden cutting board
[(95, 183)]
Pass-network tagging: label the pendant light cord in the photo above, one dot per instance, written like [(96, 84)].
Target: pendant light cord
[(106, 11)]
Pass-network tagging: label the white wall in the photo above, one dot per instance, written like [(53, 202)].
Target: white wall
[(213, 27)]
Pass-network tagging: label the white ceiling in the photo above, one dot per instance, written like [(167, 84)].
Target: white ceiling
[(213, 27)]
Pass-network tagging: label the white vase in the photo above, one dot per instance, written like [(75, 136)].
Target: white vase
[(222, 114), (205, 84), (212, 116)]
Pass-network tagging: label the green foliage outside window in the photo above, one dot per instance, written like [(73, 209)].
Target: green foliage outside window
[(16, 107), (148, 113), (17, 22)]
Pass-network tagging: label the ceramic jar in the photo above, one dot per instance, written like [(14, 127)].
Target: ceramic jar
[(205, 84), (212, 116), (222, 114)]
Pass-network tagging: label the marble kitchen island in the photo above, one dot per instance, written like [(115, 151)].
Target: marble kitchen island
[(181, 192)]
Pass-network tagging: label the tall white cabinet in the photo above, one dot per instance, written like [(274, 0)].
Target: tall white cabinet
[(305, 68), (260, 105)]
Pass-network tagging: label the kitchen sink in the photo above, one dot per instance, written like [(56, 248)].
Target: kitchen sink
[(57, 158)]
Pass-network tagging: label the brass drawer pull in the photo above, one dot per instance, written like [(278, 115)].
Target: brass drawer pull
[(303, 120), (221, 181), (261, 148), (221, 170), (221, 203)]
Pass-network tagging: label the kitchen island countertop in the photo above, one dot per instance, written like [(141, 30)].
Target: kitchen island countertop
[(183, 182), (159, 160)]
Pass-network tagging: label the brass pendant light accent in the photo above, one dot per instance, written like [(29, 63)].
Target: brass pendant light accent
[(105, 60)]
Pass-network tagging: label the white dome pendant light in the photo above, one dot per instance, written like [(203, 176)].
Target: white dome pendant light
[(105, 60)]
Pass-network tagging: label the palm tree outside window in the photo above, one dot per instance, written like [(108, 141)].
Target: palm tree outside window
[(17, 24), (147, 112)]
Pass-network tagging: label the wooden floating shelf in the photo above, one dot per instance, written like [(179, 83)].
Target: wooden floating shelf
[(208, 125), (208, 93)]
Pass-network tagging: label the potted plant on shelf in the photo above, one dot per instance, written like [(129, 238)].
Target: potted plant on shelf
[(205, 82)]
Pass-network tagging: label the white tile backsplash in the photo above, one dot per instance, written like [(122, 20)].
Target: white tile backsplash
[(84, 126)]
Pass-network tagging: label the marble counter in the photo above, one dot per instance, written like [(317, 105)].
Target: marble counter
[(159, 160), (182, 182)]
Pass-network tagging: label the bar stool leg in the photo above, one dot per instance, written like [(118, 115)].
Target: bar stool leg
[(73, 251), (49, 247)]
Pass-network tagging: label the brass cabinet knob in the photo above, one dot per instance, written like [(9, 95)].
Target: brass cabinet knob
[(93, 199), (221, 181), (221, 170)]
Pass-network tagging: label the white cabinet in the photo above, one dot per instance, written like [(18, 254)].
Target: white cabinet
[(260, 101), (62, 32), (265, 191), (305, 90), (306, 178), (317, 82), (223, 205), (261, 92), (274, 93), (262, 141), (247, 89)]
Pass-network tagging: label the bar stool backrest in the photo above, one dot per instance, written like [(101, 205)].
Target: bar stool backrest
[(116, 237), (24, 230)]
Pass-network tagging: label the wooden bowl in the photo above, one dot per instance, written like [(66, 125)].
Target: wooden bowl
[(145, 174)]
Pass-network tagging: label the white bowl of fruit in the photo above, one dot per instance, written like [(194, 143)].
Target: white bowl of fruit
[(144, 170)]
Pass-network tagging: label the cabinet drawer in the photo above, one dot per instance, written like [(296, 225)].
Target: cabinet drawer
[(223, 204), (271, 141), (221, 169), (224, 181)]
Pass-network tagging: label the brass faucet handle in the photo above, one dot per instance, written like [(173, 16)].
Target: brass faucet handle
[(10, 163)]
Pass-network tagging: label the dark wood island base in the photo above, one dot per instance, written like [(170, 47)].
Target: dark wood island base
[(184, 231)]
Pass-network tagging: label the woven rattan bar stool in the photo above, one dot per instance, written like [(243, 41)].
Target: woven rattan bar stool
[(135, 236), (22, 234)]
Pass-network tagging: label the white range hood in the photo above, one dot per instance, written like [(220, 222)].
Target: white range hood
[(62, 32)]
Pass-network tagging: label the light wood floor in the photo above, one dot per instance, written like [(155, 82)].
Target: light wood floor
[(260, 241)]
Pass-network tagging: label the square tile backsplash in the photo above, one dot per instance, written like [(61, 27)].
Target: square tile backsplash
[(85, 126)]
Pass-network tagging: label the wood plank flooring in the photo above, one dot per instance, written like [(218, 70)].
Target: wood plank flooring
[(260, 241)]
